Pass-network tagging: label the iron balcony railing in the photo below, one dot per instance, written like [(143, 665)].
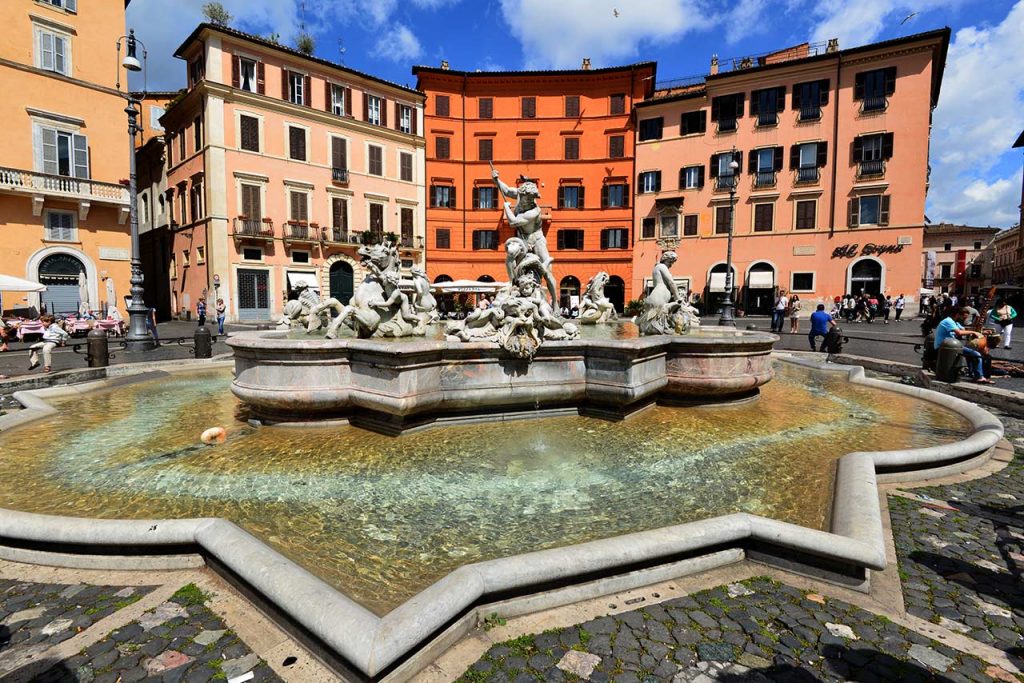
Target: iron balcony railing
[(810, 113), (874, 103), (764, 179), (875, 167), (339, 236), (409, 242), (726, 125), (64, 186), (807, 175), (299, 231), (257, 228), (767, 118), (339, 175), (725, 182)]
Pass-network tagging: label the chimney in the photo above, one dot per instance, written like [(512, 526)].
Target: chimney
[(586, 63), (444, 64), (833, 45), (714, 64)]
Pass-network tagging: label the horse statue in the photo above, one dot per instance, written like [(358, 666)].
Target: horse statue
[(596, 307)]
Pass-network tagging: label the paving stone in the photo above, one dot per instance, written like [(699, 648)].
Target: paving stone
[(237, 667), (580, 664), (24, 615), (209, 637), (736, 590), (930, 657), (841, 631), (56, 626), (162, 614), (126, 592)]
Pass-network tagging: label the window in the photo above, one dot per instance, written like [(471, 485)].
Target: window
[(252, 205), (763, 165), (869, 210), (154, 117), (615, 238), (339, 159), (299, 206), (300, 257), (296, 88), (691, 178), (650, 129), (614, 196), (297, 143), (649, 181), (247, 74), (485, 239), (338, 104), (405, 118), (405, 166), (252, 254), (722, 170), (809, 98), (725, 110), (442, 196), (69, 5), (375, 154), (872, 87), (529, 107), (766, 105), (802, 282), (572, 148), (195, 201), (377, 219), (669, 225), (373, 109), (647, 229), (405, 223), (169, 146), (442, 105), (197, 133), (806, 159), (485, 197), (764, 215), (723, 219), (54, 51), (249, 133), (572, 106), (486, 149), (690, 225), (200, 254), (570, 239), (60, 226), (975, 270), (339, 217), (806, 214), (570, 197), (486, 107), (693, 122), (181, 145), (948, 246), (616, 146), (184, 258), (977, 245), (64, 153), (442, 148), (617, 104), (196, 70), (946, 271), (528, 149), (870, 153), (443, 238)]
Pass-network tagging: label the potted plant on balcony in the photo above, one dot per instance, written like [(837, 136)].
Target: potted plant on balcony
[(366, 237), (391, 237)]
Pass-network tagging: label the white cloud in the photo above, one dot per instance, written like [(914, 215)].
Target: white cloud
[(560, 34), (433, 4), (744, 20), (859, 23), (399, 44), (979, 203)]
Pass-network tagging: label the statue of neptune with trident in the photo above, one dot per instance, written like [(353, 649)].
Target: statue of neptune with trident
[(526, 220)]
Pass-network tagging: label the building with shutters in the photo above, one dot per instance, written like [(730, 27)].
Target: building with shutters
[(571, 131), (831, 148), (958, 259), (152, 208), (278, 165), (63, 154)]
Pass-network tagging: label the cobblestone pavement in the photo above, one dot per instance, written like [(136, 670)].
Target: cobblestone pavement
[(753, 630)]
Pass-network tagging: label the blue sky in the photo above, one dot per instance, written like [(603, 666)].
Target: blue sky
[(975, 179)]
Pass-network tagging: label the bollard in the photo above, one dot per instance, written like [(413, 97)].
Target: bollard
[(928, 352), (203, 342), (262, 326), (98, 355), (947, 364)]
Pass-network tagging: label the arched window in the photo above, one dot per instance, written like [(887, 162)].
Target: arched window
[(60, 273), (443, 278), (615, 290), (341, 281), (485, 278)]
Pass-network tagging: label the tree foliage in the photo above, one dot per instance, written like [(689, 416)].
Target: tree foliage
[(305, 43), (215, 13)]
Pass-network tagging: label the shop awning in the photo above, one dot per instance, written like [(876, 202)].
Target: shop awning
[(468, 286), (760, 279), (308, 279), (717, 282)]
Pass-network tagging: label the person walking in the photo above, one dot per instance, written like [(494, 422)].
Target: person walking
[(1003, 314), (53, 335), (779, 312), (821, 323), (201, 311), (849, 307), (221, 314), (898, 306), (151, 325), (886, 303), (794, 315)]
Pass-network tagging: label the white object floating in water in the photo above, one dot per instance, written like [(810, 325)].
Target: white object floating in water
[(214, 435)]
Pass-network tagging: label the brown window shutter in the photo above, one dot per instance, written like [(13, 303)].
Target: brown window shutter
[(327, 96), (350, 109), (822, 154), (794, 157), (883, 212), (383, 113), (890, 80), (414, 114), (858, 86), (700, 176), (366, 107), (284, 84), (778, 159), (887, 146), (235, 75), (261, 78), (582, 195), (604, 196), (823, 89), (476, 197), (307, 91), (858, 149), (752, 162), (713, 166), (797, 87), (780, 98), (854, 213), (755, 103), (295, 206)]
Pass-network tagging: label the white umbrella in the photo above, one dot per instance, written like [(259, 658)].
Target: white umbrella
[(468, 286), (83, 294), (9, 283), (111, 298)]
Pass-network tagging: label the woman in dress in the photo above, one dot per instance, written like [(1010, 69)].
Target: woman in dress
[(794, 314)]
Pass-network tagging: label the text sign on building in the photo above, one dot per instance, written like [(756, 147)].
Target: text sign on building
[(114, 254), (870, 249)]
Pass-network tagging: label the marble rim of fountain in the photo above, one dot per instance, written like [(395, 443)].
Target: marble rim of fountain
[(374, 646)]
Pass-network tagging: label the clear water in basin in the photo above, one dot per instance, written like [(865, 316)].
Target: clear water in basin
[(382, 517)]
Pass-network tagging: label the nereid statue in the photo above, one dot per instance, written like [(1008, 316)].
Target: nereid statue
[(596, 307), (665, 310)]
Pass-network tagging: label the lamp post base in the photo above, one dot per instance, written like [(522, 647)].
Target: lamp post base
[(727, 317)]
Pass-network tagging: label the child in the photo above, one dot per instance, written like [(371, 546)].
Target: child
[(53, 335), (221, 312)]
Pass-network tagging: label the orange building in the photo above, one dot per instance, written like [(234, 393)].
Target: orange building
[(569, 130), (832, 153), (64, 152)]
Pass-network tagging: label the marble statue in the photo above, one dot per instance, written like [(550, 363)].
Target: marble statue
[(665, 310), (526, 220), (596, 307), (423, 300), (299, 312)]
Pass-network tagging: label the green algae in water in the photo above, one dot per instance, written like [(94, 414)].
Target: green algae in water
[(381, 517)]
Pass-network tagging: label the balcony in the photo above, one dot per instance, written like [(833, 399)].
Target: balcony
[(725, 182), (767, 119), (808, 175), (871, 169), (339, 175), (810, 113), (764, 179), (254, 229), (66, 188), (338, 236), (874, 103), (409, 242), (300, 231), (726, 125)]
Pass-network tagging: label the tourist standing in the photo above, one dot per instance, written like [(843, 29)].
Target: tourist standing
[(53, 335), (886, 303), (1003, 314), (821, 323), (201, 311), (794, 315), (221, 314), (899, 305), (952, 327), (779, 312), (151, 325), (850, 307)]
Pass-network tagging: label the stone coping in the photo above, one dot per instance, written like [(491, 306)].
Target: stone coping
[(375, 646)]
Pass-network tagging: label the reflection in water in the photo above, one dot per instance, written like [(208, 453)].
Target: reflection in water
[(382, 517)]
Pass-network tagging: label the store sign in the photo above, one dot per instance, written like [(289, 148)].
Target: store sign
[(870, 249)]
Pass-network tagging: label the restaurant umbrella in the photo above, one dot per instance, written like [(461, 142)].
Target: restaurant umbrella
[(9, 283), (83, 294)]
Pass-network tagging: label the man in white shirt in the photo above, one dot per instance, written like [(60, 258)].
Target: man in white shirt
[(53, 335), (779, 313)]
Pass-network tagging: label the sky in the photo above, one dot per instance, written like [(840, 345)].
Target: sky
[(975, 179)]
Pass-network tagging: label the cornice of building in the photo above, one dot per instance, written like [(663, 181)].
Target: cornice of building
[(60, 77)]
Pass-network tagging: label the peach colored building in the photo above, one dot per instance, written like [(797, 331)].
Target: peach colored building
[(570, 130), (64, 151), (277, 163), (958, 259), (832, 154)]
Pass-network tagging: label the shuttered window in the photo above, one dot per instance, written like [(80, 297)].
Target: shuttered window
[(443, 238), (570, 239), (690, 225), (339, 103), (64, 153), (377, 219), (693, 122), (486, 107), (615, 238), (442, 105), (376, 166), (806, 211), (405, 118), (442, 148), (405, 166), (299, 206), (54, 52), (251, 203), (529, 107), (339, 214), (442, 196), (647, 228), (246, 74), (485, 239), (297, 143), (406, 222), (249, 133), (60, 226), (528, 149), (339, 154), (617, 104), (650, 129), (763, 217), (572, 106), (616, 146), (572, 148), (486, 149)]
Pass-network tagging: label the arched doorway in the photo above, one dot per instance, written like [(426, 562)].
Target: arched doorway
[(759, 294), (569, 293), (615, 290), (714, 292), (445, 301), (60, 273), (342, 280), (866, 276), (485, 278)]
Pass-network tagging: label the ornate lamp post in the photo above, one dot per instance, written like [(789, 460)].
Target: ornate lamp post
[(138, 337), (726, 319)]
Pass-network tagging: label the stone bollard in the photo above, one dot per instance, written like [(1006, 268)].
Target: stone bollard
[(262, 326), (203, 343), (98, 355), (947, 365)]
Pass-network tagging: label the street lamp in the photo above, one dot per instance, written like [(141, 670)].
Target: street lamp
[(138, 337), (726, 319)]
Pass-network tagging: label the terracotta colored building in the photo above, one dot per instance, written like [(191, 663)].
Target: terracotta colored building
[(571, 131), (831, 148), (958, 258), (277, 163), (153, 210), (64, 151)]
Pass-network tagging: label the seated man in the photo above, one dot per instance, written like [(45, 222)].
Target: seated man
[(952, 327), (821, 323)]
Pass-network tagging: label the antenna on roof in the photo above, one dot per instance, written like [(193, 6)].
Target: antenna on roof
[(341, 50)]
